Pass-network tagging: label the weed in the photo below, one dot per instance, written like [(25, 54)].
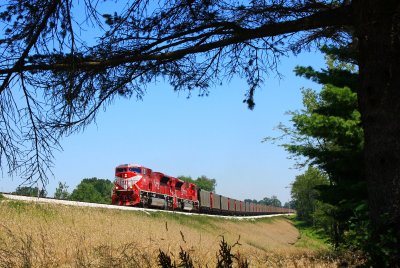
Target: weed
[(224, 256), (186, 260), (242, 261), (164, 260)]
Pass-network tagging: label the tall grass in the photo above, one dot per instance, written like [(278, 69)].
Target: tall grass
[(44, 235)]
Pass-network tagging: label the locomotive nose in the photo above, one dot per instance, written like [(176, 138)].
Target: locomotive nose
[(129, 175)]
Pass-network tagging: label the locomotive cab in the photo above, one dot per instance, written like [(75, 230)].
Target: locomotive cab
[(127, 177)]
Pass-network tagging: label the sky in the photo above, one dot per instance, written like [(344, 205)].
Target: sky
[(216, 136)]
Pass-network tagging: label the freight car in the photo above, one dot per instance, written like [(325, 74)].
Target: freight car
[(136, 185)]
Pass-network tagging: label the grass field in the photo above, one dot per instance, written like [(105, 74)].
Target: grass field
[(45, 235)]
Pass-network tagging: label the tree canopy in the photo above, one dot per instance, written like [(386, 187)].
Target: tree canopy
[(251, 200), (93, 190), (327, 133), (269, 201), (305, 194), (273, 201), (30, 191), (61, 191), (202, 182)]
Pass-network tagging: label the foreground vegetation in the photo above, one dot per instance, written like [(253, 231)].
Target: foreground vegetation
[(44, 235)]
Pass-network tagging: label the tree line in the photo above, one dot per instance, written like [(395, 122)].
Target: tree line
[(91, 190), (95, 190), (269, 201)]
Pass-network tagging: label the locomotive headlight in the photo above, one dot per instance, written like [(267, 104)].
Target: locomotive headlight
[(116, 187), (125, 175)]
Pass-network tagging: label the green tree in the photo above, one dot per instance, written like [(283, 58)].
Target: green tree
[(186, 178), (93, 190), (291, 204), (304, 193), (273, 201), (205, 183), (251, 201), (325, 216), (62, 191), (194, 45), (30, 191), (202, 182), (327, 133)]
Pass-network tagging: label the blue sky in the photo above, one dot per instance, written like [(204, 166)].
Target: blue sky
[(216, 136)]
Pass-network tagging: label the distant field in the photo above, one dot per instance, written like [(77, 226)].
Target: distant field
[(47, 235)]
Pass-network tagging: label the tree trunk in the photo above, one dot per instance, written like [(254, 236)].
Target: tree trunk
[(378, 31)]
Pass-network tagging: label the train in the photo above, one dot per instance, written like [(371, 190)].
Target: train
[(139, 186)]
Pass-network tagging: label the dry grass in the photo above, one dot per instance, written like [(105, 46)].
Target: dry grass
[(43, 235)]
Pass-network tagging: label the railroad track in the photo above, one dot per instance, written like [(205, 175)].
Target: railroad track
[(51, 200)]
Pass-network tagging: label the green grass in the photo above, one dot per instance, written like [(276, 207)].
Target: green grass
[(42, 211), (18, 206), (1, 196), (311, 238), (199, 221), (270, 219)]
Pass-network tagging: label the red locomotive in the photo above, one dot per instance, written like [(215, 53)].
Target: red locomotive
[(139, 186), (136, 185)]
